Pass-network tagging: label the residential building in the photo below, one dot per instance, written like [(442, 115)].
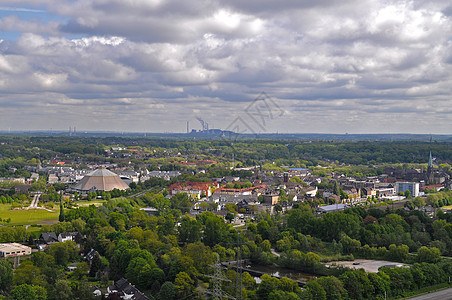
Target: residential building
[(385, 192), (271, 199), (45, 239), (125, 290), (413, 187), (194, 189), (69, 236)]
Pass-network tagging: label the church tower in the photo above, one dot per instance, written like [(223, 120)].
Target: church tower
[(429, 176)]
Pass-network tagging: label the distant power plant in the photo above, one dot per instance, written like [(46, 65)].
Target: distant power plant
[(206, 131), (72, 130), (204, 125)]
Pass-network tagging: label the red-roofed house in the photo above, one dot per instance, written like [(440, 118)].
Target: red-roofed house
[(193, 189)]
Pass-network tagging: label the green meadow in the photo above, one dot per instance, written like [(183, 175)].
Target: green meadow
[(96, 203), (28, 217)]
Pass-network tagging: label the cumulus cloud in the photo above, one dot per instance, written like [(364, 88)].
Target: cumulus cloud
[(332, 66)]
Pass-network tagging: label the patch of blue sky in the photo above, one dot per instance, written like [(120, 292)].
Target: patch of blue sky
[(24, 12), (9, 35), (27, 14), (30, 14)]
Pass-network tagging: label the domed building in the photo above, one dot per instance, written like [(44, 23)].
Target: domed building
[(100, 180)]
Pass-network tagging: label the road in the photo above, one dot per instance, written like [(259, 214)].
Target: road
[(440, 295), (34, 202)]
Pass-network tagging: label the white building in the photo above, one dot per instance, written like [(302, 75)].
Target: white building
[(413, 187), (13, 249)]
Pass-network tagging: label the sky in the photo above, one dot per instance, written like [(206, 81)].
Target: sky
[(255, 66)]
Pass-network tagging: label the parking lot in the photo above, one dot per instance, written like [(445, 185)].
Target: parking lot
[(369, 265)]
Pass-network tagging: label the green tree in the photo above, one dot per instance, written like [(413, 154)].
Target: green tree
[(431, 255), (334, 224), (214, 229), (84, 291), (81, 270), (349, 245), (27, 273), (63, 253), (357, 284), (231, 207), (23, 292), (118, 221), (161, 203), (315, 291), (333, 287), (63, 290), (295, 179), (407, 194), (6, 274), (182, 202), (380, 281), (96, 265), (168, 291), (398, 253), (282, 196), (336, 189), (189, 230), (61, 217), (184, 284), (267, 285), (419, 202), (302, 221)]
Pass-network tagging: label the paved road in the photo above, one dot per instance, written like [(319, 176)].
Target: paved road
[(440, 295), (34, 202)]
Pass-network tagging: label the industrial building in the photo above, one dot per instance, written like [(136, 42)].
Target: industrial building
[(13, 249)]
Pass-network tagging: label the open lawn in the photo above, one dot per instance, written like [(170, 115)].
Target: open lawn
[(28, 217), (96, 203), (447, 207)]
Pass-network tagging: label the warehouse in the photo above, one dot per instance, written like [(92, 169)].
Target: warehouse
[(14, 249)]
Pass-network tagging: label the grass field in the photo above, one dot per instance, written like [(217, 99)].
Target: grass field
[(28, 217), (96, 203), (447, 207)]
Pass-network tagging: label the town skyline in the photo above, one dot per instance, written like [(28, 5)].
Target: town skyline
[(150, 66)]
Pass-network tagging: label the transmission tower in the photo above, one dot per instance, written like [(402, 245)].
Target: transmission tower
[(238, 270), (217, 293), (238, 267)]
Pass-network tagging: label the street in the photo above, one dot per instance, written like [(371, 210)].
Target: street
[(440, 295)]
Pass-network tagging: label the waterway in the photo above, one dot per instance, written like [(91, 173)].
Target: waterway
[(281, 272)]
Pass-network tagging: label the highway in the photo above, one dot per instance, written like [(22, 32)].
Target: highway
[(440, 295)]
